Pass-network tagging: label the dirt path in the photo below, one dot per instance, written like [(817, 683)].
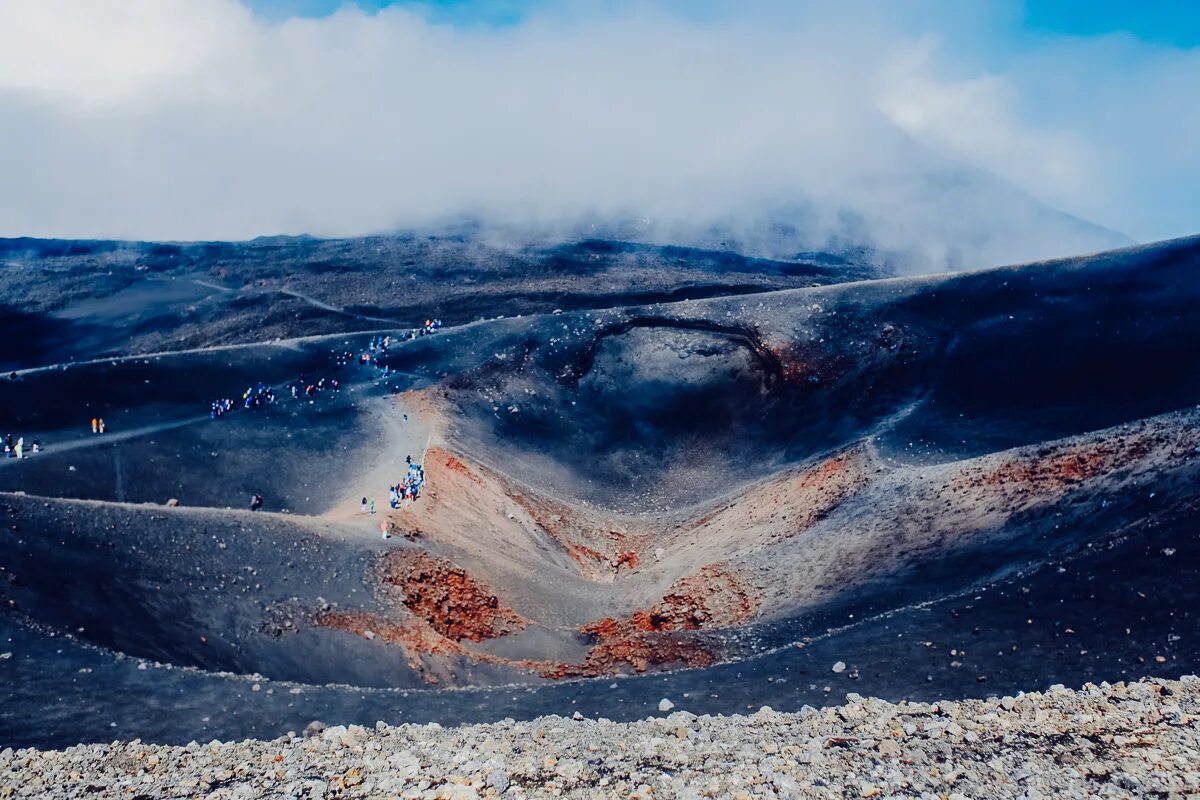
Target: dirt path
[(102, 439), (291, 343), (312, 301), (400, 437)]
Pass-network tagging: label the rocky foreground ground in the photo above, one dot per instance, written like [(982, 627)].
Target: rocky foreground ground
[(1124, 740)]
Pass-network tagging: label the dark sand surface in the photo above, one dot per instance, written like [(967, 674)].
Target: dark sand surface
[(1046, 627), (958, 486)]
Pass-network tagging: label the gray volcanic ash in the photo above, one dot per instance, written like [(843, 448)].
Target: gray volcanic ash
[(736, 490)]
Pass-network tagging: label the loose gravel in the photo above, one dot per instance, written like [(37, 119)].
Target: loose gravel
[(1125, 740)]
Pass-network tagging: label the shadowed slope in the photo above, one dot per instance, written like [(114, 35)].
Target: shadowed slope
[(629, 490)]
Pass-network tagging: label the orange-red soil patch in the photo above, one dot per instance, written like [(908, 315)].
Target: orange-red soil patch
[(620, 646), (414, 636), (666, 635), (712, 598), (1058, 467), (798, 364), (627, 559), (444, 595), (564, 526), (451, 463)]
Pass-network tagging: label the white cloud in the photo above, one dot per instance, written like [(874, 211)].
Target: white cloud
[(98, 54), (979, 118), (195, 119)]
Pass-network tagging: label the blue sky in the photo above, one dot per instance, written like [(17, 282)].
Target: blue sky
[(1171, 22)]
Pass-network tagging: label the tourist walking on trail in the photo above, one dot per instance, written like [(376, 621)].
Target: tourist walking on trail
[(102, 425), (95, 425), (20, 447), (364, 505), (372, 505), (256, 502)]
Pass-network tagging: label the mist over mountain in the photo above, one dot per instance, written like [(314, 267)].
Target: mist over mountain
[(767, 129), (951, 220)]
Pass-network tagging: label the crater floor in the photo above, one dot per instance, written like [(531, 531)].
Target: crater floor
[(948, 487)]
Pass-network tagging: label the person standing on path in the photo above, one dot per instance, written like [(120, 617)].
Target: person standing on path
[(95, 425), (102, 425), (372, 505)]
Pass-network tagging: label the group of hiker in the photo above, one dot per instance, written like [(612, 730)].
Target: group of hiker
[(97, 425), (262, 395), (379, 344), (16, 449), (307, 389), (221, 407), (377, 347), (257, 396), (409, 488), (252, 398)]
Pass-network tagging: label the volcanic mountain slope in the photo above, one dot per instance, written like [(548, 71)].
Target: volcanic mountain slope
[(72, 300), (624, 490), (655, 407)]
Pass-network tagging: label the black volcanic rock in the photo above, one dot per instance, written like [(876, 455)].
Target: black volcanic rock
[(957, 485), (113, 298)]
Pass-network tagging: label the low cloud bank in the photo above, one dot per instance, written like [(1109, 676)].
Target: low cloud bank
[(774, 129)]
